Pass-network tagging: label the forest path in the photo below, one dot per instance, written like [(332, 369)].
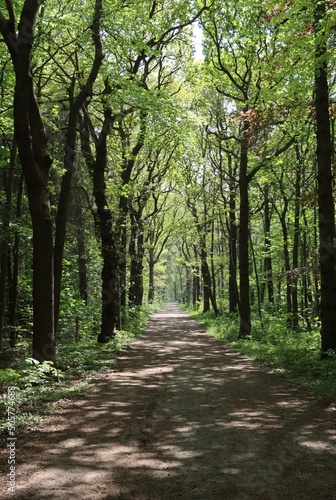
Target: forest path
[(182, 417)]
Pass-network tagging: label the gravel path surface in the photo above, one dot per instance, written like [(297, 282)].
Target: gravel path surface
[(182, 417)]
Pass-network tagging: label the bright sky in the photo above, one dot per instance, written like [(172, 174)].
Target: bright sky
[(197, 41)]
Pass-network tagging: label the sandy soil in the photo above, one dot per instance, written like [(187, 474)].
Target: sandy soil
[(182, 417)]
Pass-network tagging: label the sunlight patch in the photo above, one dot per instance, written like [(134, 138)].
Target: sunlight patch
[(177, 452), (231, 471), (73, 443), (315, 445)]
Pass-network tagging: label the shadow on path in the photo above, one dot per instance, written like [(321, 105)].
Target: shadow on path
[(183, 417)]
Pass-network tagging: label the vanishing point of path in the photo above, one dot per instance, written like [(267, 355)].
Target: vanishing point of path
[(182, 417)]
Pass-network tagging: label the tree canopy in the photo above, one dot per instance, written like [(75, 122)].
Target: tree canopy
[(133, 172)]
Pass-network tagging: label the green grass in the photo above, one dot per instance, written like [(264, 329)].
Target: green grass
[(293, 355)]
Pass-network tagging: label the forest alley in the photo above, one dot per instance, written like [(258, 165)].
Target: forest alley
[(182, 417)]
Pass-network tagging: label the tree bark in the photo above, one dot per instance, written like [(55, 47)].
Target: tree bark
[(136, 251), (9, 182), (268, 258), (233, 292), (35, 160), (287, 267), (296, 242), (212, 262), (206, 284), (196, 279), (244, 279), (121, 231), (325, 194), (81, 259), (110, 271), (151, 288), (13, 286)]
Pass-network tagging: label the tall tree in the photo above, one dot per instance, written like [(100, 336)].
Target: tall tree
[(9, 183), (76, 101), (36, 161), (325, 183)]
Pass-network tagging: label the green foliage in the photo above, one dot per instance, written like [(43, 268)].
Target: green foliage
[(135, 319), (42, 385), (32, 402), (33, 373), (36, 384), (87, 356), (8, 377)]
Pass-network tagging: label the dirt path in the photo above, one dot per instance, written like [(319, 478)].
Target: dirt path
[(182, 417)]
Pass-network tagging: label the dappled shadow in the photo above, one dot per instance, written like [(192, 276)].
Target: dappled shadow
[(184, 417)]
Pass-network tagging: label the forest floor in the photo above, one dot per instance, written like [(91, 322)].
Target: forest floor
[(183, 417)]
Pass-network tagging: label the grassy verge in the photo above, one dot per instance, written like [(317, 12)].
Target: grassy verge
[(41, 387), (293, 355)]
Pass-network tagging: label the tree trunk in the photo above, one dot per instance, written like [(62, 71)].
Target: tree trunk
[(151, 264), (70, 153), (296, 242), (120, 239), (13, 286), (282, 217), (35, 161), (257, 280), (9, 182), (136, 251), (110, 271), (121, 233), (188, 285), (306, 285), (244, 281), (63, 204), (289, 308), (81, 259), (213, 273), (196, 285), (207, 286), (268, 257), (233, 291), (325, 194)]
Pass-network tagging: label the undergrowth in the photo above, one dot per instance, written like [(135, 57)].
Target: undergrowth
[(42, 386), (294, 355)]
